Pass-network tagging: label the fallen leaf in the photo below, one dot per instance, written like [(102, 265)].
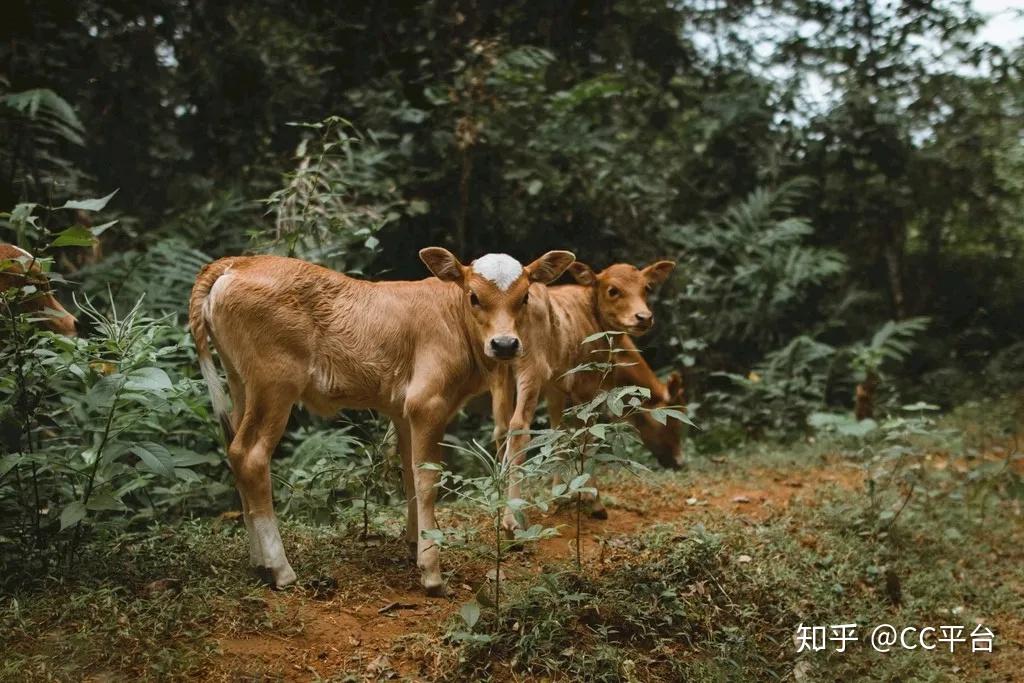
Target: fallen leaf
[(744, 558), (740, 499)]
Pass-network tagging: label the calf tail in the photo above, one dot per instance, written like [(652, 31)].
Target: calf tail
[(198, 323)]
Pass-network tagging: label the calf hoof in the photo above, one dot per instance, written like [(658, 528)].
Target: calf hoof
[(599, 514), (436, 590), (509, 524), (283, 576), (278, 578), (410, 546)]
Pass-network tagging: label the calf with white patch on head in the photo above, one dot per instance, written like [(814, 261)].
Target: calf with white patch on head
[(289, 331), (614, 300)]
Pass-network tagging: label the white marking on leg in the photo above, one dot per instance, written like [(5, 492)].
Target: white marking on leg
[(501, 269), (272, 549)]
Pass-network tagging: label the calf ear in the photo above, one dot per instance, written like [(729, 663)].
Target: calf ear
[(443, 264), (658, 272), (583, 273), (550, 266)]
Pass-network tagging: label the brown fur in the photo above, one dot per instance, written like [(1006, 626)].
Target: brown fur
[(613, 300), (13, 263), (289, 331)]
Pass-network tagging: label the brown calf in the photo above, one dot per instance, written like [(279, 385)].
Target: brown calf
[(613, 300), (19, 268), (289, 331)]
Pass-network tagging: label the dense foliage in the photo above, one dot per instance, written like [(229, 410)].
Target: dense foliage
[(844, 206)]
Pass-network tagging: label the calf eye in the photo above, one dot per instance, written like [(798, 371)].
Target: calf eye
[(613, 292), (474, 300)]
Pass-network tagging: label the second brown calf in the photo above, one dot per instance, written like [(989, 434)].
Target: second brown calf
[(613, 300)]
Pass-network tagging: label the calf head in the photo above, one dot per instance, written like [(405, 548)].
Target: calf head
[(18, 269), (497, 292), (621, 293), (663, 440)]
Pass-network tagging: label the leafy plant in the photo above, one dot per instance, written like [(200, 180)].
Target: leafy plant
[(780, 392), (341, 471), (751, 272), (115, 411), (488, 493), (337, 198), (40, 125)]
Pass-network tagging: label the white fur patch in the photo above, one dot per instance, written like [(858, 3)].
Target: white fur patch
[(217, 396), (216, 293), (501, 269), (269, 539)]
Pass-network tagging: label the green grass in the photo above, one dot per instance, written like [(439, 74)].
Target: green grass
[(149, 604), (706, 596), (680, 606)]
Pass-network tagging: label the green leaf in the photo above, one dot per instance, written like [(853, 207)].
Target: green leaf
[(98, 230), (678, 415), (470, 613), (187, 458), (105, 501), (577, 483), (72, 514), (75, 236), (599, 335), (858, 429), (921, 405), (89, 204), (9, 462), (156, 458), (148, 379)]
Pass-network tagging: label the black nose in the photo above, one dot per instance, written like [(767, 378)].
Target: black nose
[(504, 347)]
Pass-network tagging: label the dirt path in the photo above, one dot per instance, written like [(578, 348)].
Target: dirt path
[(371, 619)]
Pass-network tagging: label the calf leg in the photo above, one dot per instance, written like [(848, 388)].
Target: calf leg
[(428, 420), (409, 484), (502, 404), (266, 414), (237, 392), (556, 408), (527, 395)]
